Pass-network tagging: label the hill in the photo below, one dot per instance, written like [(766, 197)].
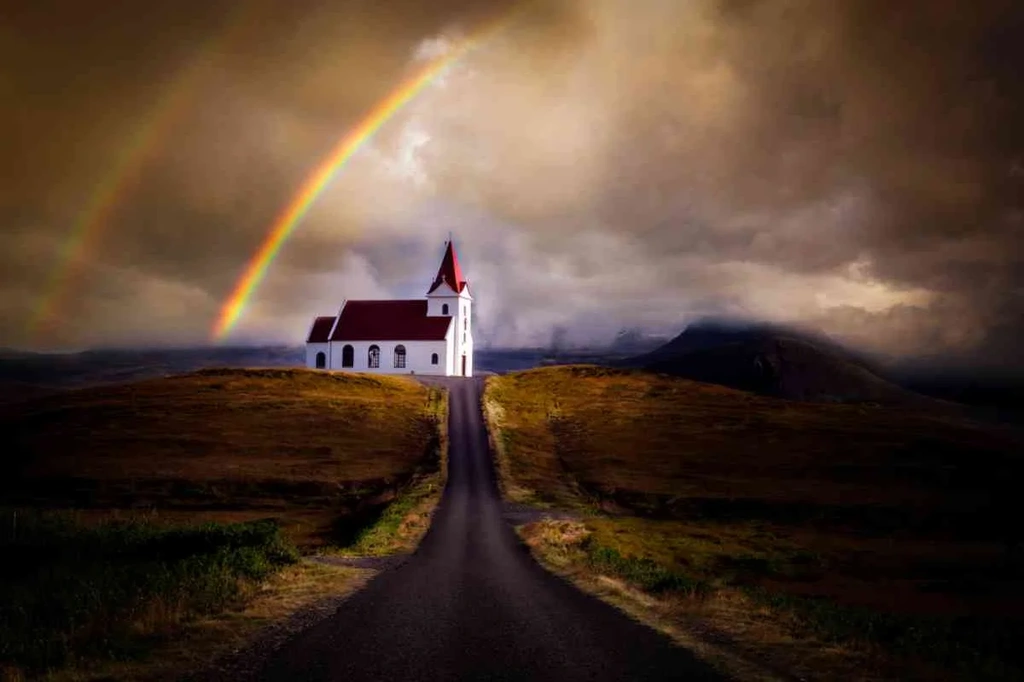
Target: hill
[(848, 522), (151, 526), (311, 448), (775, 361)]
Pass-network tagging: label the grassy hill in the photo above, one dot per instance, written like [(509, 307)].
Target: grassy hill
[(310, 448), (128, 512), (873, 524)]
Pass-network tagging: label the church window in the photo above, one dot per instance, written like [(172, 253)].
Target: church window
[(444, 309), (399, 356), (373, 361), (465, 322), (321, 360), (348, 356), (433, 359)]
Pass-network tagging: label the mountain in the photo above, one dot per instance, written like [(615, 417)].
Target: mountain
[(773, 360), (635, 341)]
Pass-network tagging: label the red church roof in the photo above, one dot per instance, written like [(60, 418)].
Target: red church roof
[(449, 273), (389, 321), (321, 330)]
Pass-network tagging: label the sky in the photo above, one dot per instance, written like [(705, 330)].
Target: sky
[(854, 165)]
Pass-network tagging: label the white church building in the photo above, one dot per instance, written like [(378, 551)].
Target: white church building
[(430, 336)]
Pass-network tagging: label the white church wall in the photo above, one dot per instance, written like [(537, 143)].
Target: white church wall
[(463, 338), (417, 357), (449, 352), (460, 339), (312, 349)]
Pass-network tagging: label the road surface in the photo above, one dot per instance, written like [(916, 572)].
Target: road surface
[(472, 604)]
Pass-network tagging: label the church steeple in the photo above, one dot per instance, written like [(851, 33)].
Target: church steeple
[(449, 297), (449, 273)]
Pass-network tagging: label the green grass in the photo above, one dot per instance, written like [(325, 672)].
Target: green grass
[(71, 592), (386, 534), (644, 573)]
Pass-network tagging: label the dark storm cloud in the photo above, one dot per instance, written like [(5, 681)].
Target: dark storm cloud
[(857, 164), (919, 108), (816, 139)]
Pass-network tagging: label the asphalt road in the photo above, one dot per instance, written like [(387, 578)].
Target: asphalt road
[(472, 604)]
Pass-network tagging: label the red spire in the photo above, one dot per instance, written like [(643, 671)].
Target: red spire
[(449, 272)]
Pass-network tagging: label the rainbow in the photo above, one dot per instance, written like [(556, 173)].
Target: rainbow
[(88, 228), (315, 183)]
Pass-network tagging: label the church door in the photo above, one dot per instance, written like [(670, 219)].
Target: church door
[(463, 365)]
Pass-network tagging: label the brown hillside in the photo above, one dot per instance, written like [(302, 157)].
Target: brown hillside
[(675, 451), (625, 433), (221, 445), (877, 524)]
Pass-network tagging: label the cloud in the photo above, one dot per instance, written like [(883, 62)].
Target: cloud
[(432, 48), (852, 164)]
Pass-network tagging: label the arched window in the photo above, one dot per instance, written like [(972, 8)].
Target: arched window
[(348, 356), (373, 360), (400, 356), (433, 359), (444, 309), (465, 322), (321, 360)]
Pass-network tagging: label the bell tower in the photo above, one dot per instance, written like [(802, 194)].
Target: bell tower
[(449, 296)]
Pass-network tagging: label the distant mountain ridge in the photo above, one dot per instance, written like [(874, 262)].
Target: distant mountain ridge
[(24, 374), (773, 360)]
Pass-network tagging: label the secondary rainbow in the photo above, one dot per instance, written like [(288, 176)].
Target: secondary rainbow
[(315, 183), (87, 230)]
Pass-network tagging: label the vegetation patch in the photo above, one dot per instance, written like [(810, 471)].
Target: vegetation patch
[(227, 637), (572, 542), (882, 535), (644, 573), (73, 592), (976, 647)]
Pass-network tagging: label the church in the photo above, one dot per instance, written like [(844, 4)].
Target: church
[(431, 336)]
